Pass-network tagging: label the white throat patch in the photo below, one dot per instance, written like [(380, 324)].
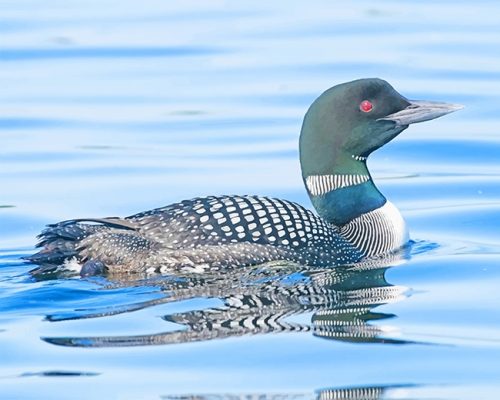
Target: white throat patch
[(321, 184)]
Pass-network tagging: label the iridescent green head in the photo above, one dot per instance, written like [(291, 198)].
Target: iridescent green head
[(344, 126), (345, 121)]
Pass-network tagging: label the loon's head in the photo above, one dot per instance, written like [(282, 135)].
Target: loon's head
[(351, 120), (341, 129)]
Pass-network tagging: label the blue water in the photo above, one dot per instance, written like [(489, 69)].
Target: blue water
[(110, 108)]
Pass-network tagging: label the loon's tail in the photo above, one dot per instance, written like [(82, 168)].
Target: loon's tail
[(60, 242)]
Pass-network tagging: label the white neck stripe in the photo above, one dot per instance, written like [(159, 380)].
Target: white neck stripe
[(321, 184)]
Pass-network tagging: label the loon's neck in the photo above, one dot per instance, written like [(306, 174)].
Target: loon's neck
[(343, 191), (344, 194), (350, 200)]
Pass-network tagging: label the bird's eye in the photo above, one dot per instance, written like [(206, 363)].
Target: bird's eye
[(366, 106)]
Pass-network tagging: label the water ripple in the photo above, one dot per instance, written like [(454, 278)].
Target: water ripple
[(11, 55)]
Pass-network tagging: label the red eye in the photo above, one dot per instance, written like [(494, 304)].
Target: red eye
[(365, 106)]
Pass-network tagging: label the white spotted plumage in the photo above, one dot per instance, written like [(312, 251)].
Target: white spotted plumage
[(219, 231)]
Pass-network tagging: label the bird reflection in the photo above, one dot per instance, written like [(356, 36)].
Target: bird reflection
[(337, 303), (347, 393)]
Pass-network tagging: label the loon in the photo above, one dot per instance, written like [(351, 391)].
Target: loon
[(354, 221)]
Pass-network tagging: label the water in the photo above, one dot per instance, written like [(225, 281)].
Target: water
[(110, 109)]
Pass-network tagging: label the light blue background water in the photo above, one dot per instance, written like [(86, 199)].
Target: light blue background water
[(110, 108)]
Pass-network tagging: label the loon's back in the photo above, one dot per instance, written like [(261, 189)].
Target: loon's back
[(210, 232)]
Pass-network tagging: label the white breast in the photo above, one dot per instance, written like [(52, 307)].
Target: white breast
[(377, 232)]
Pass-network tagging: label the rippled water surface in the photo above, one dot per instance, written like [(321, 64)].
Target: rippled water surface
[(110, 108)]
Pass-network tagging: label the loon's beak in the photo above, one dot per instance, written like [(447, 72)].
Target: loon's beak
[(420, 111)]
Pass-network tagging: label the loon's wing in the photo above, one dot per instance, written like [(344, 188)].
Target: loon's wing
[(242, 230), (112, 222)]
